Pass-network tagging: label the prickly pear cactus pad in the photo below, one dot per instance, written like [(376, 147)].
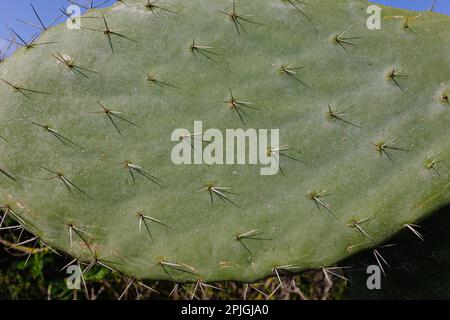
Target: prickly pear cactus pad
[(363, 115)]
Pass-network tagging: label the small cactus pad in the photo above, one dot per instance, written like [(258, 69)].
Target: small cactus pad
[(363, 117)]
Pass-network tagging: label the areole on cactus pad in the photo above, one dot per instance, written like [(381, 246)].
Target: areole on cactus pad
[(363, 117)]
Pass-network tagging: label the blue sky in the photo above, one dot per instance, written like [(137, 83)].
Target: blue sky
[(11, 10)]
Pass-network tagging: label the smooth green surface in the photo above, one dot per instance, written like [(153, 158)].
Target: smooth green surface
[(337, 157)]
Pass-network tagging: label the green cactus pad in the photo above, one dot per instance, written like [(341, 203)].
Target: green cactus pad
[(364, 116)]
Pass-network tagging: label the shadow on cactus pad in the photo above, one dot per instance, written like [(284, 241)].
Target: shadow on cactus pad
[(418, 269)]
